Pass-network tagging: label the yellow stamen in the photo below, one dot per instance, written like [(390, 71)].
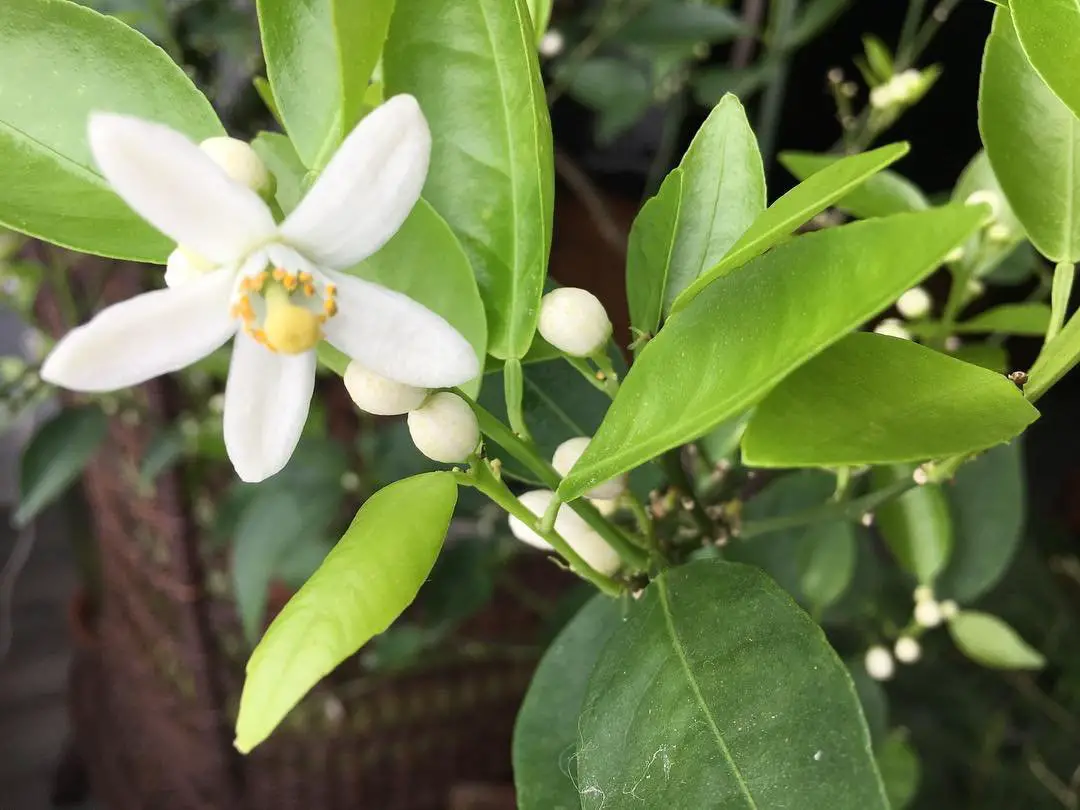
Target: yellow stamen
[(289, 329)]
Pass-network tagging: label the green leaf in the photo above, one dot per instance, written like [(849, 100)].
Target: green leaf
[(723, 192), (715, 359), (371, 576), (280, 157), (673, 23), (900, 770), (1033, 141), (649, 253), (815, 17), (989, 500), (878, 57), (473, 66), (541, 16), (881, 195), (1055, 361), (989, 641), (916, 526), (719, 692), (360, 29), (989, 254), (58, 63), (1049, 31), (994, 358), (425, 261), (828, 563), (164, 450), (711, 84), (874, 701), (546, 732), (797, 207), (1010, 319), (619, 91), (872, 399), (55, 457)]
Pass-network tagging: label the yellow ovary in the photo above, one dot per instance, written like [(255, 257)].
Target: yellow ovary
[(289, 326)]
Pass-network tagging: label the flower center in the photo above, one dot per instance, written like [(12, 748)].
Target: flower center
[(285, 311)]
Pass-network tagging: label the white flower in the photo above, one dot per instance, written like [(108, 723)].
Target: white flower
[(893, 327), (574, 321), (445, 428), (915, 303), (276, 288), (379, 395), (238, 160), (927, 613), (571, 527), (879, 663), (567, 455), (907, 650)]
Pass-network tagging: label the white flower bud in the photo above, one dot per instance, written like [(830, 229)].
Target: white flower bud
[(974, 288), (953, 344), (883, 96), (570, 526), (987, 197), (350, 481), (574, 321), (445, 428), (921, 477), (567, 455), (893, 327), (552, 43), (915, 303), (379, 395), (217, 403), (907, 650), (879, 663), (999, 233), (927, 613), (949, 609), (184, 265), (955, 255), (238, 160), (923, 593)]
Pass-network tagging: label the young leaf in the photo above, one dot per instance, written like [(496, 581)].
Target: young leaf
[(798, 206), (828, 563), (900, 770), (716, 358), (365, 583), (279, 155), (989, 641), (55, 457), (1038, 173), (1055, 361), (50, 186), (872, 399), (719, 692), (1049, 31), (1030, 319), (916, 526), (546, 732), (649, 252), (541, 16), (473, 66), (881, 195)]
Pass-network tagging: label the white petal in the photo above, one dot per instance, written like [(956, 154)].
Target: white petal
[(146, 336), (178, 189), (266, 405), (368, 188), (394, 336)]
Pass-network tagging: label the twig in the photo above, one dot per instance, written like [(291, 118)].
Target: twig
[(593, 200)]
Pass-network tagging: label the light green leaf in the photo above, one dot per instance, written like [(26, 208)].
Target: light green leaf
[(424, 260), (881, 195), (280, 157), (546, 732), (828, 563), (916, 526), (371, 576), (798, 206), (473, 66), (989, 500), (648, 255), (900, 770), (55, 457), (719, 692), (989, 641), (872, 399), (878, 56), (58, 63), (1033, 141), (995, 358), (1010, 319), (1049, 31), (715, 359), (541, 16), (360, 29)]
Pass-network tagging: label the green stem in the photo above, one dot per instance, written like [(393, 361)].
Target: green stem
[(1060, 293), (926, 34), (912, 18), (607, 368), (514, 390), (680, 481), (781, 19), (586, 371)]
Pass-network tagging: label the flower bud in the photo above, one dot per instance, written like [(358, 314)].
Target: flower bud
[(927, 613), (955, 255), (987, 197), (923, 593), (915, 303), (879, 663), (893, 327), (444, 428), (240, 162), (949, 609), (999, 233), (379, 395), (567, 455), (907, 650), (552, 43), (574, 321), (570, 526), (883, 96)]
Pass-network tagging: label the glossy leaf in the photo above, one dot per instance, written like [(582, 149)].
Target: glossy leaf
[(714, 359), (989, 641), (1049, 31), (473, 66), (1033, 142), (649, 254), (371, 576), (828, 563), (988, 501), (425, 261), (874, 701), (880, 195), (280, 157), (798, 206), (900, 770), (994, 358), (719, 692), (917, 526), (872, 399), (1057, 358), (55, 457), (1011, 319), (360, 29), (58, 62), (546, 731), (541, 16)]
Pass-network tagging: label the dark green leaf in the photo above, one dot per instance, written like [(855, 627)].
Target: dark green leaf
[(828, 563), (900, 770), (1010, 319), (711, 84), (875, 703), (816, 16), (881, 195), (682, 23), (989, 641), (917, 525), (719, 692), (616, 89), (165, 449), (1049, 31)]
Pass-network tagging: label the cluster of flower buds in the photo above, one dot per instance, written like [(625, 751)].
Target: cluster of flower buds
[(929, 612), (997, 230), (570, 526)]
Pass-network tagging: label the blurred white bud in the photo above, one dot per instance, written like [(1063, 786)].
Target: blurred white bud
[(920, 476), (184, 265), (34, 344), (879, 663), (987, 197), (350, 481), (567, 455), (915, 303), (953, 344), (907, 650), (893, 327), (975, 288), (927, 613), (238, 160), (923, 593), (445, 428), (955, 255), (574, 321), (883, 96), (379, 395), (570, 526), (607, 508), (949, 609), (552, 43), (908, 86), (999, 233), (217, 403)]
